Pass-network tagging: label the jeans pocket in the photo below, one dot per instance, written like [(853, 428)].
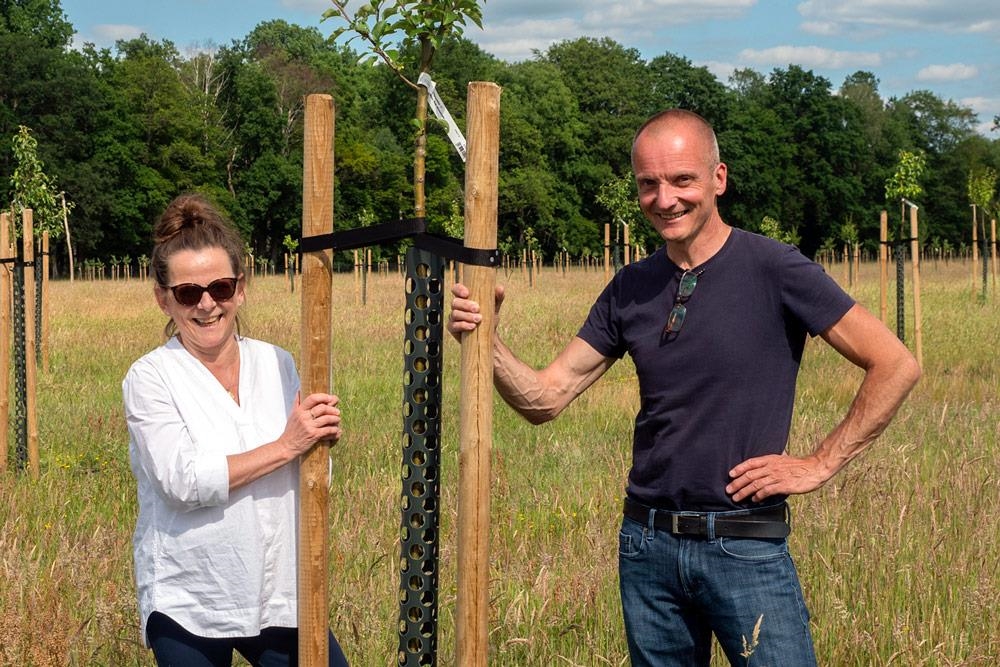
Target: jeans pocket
[(630, 539), (756, 549)]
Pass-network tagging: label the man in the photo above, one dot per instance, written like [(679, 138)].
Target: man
[(716, 324)]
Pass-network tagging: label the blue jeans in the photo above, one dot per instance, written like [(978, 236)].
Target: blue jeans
[(677, 591), (274, 647)]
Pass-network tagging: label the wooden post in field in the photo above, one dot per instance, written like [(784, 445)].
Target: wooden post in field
[(628, 249), (847, 264), (6, 297), (993, 251), (317, 369), (918, 329), (357, 280), (30, 366), (857, 263), (69, 242), (883, 263), (476, 410), (607, 251)]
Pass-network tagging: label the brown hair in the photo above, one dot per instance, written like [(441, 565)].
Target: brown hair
[(191, 222)]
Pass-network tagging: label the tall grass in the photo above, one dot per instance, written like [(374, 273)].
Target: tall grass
[(899, 555)]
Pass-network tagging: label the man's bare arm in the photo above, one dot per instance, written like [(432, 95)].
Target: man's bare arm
[(890, 374), (538, 395)]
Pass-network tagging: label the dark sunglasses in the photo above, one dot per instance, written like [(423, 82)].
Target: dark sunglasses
[(189, 294), (685, 288)]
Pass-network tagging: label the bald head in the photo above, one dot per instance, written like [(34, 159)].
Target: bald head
[(670, 122)]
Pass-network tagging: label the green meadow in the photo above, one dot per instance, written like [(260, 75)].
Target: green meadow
[(899, 555)]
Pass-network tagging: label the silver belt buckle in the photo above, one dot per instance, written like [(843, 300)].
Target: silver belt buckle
[(675, 519)]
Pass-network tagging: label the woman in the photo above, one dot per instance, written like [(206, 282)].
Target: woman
[(216, 429)]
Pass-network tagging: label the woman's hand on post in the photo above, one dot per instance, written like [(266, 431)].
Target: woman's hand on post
[(315, 418)]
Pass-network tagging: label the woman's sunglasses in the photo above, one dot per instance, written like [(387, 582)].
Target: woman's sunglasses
[(189, 294)]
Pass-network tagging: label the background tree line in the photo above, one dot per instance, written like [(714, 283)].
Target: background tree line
[(121, 131)]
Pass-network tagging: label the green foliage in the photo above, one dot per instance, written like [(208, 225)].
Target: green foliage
[(33, 188), (905, 181), (42, 19), (619, 197), (454, 226), (772, 228), (381, 25), (981, 188)]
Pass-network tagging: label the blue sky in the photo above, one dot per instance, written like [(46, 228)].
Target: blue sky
[(950, 47)]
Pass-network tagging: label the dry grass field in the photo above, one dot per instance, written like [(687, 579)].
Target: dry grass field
[(899, 555)]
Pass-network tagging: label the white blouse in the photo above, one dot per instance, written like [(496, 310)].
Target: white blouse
[(220, 564)]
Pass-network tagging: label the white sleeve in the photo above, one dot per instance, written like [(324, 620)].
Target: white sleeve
[(184, 474)]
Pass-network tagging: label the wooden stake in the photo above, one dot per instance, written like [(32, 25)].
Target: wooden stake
[(883, 263), (918, 329), (69, 242), (6, 299), (30, 365), (607, 251), (993, 251), (857, 263), (317, 370), (476, 410), (628, 249), (847, 264)]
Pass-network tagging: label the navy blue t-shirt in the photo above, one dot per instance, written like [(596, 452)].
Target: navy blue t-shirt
[(720, 390)]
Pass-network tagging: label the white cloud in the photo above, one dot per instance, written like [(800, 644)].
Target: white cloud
[(641, 13), (822, 28), (515, 41), (949, 15), (720, 70), (811, 57), (954, 72), (513, 28), (315, 6), (982, 104), (112, 32)]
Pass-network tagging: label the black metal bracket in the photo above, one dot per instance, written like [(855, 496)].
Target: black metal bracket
[(442, 246)]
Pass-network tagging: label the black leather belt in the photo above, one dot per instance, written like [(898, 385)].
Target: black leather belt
[(767, 522)]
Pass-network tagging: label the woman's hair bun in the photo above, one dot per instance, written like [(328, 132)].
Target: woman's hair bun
[(185, 212)]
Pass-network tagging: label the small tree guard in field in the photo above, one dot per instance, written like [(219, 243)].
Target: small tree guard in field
[(421, 467), (317, 369), (899, 247), (975, 246), (42, 307), (23, 311), (20, 369)]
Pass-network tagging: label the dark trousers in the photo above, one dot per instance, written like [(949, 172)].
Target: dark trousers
[(174, 646)]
